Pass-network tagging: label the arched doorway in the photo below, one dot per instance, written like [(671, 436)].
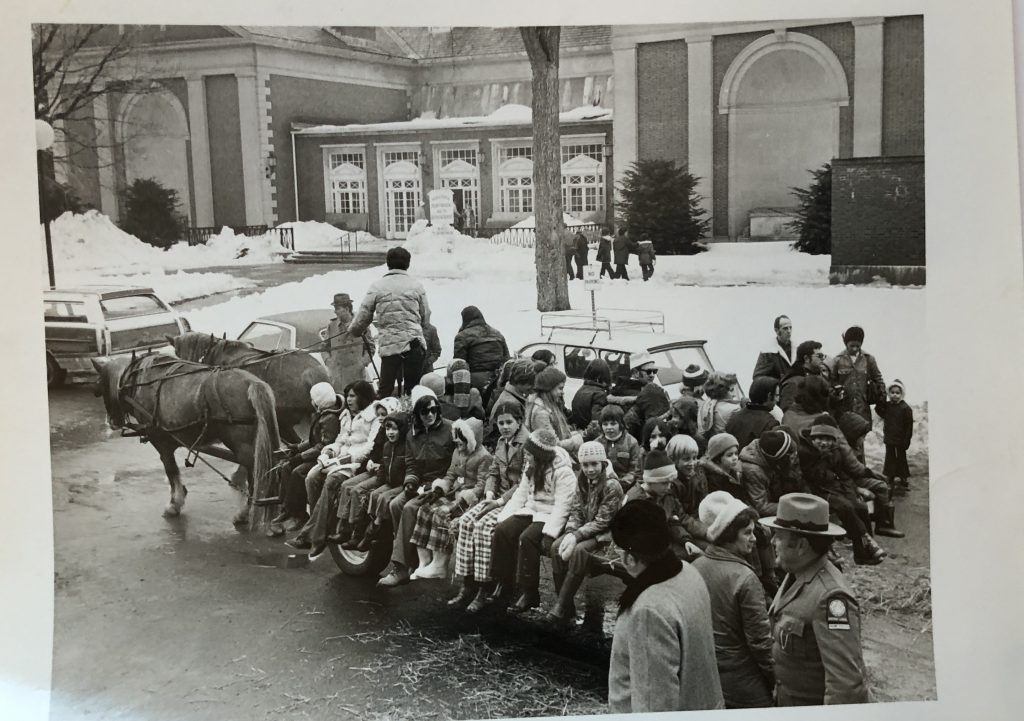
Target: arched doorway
[(782, 93), (153, 130), (403, 190)]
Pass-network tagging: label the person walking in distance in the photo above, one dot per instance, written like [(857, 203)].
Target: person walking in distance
[(815, 618), (604, 254), (397, 305), (620, 251)]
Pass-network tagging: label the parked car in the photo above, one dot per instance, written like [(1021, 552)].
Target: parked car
[(286, 331), (88, 322)]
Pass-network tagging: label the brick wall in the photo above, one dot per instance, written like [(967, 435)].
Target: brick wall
[(903, 86), (662, 100), (878, 225), (839, 38), (225, 150)]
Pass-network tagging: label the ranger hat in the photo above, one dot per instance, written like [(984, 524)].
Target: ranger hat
[(803, 513), (342, 299)]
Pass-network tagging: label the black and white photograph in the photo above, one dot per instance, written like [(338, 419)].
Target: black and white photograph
[(480, 371)]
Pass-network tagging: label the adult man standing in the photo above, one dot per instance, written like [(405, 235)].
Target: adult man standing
[(346, 354), (663, 651), (397, 305), (815, 618), (777, 357), (810, 361), (855, 375), (621, 248)]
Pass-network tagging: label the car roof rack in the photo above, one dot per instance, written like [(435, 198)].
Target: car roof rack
[(604, 320)]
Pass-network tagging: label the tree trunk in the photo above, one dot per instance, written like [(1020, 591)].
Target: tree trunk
[(552, 287)]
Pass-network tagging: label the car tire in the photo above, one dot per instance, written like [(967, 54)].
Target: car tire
[(54, 373), (362, 563)]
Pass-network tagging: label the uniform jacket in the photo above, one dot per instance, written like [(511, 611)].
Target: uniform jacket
[(346, 355), (766, 482), (428, 453), (898, 419), (356, 434), (773, 361), (506, 468), (397, 305), (816, 639), (604, 250), (855, 376), (743, 638), (550, 505), (587, 403), (663, 651), (626, 457), (748, 423), (468, 468), (594, 505), (322, 431), (621, 248), (483, 348)]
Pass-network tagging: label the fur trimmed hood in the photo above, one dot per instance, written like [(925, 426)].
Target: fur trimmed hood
[(472, 430)]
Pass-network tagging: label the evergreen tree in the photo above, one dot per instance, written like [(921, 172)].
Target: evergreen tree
[(151, 213), (814, 218), (660, 203)]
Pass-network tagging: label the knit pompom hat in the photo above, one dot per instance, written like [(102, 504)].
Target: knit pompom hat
[(458, 372), (775, 444), (434, 382), (694, 375), (323, 395), (899, 384), (547, 379), (659, 468), (720, 443), (591, 452), (717, 511), (541, 445)]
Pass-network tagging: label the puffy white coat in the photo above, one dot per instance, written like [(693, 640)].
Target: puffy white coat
[(549, 506), (355, 439), (397, 305)]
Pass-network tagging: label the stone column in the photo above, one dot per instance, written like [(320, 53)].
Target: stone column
[(624, 128), (105, 157), (867, 87), (701, 109), (252, 165), (198, 129)]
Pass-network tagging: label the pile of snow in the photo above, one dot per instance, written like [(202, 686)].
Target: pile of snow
[(315, 235), (173, 287), (226, 248), (443, 252), (770, 263)]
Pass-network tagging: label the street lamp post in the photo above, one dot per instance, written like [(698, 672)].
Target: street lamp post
[(44, 141)]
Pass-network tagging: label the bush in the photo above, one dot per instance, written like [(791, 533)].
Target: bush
[(59, 199), (814, 221), (660, 203), (151, 213)]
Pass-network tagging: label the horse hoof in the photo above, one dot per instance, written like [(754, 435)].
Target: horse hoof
[(171, 511)]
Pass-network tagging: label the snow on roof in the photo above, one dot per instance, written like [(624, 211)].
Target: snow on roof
[(505, 115)]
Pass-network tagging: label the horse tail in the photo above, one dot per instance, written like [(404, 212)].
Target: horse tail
[(268, 440)]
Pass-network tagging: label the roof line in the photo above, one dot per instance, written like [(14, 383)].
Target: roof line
[(401, 42)]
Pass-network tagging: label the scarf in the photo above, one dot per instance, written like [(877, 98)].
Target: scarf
[(661, 569)]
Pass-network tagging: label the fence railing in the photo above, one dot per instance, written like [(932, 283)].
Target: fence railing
[(200, 236), (527, 237)]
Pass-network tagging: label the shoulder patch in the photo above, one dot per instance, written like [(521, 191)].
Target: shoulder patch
[(837, 614)]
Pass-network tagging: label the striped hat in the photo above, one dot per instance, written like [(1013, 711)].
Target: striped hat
[(775, 444), (694, 375), (658, 468), (541, 444), (458, 371)]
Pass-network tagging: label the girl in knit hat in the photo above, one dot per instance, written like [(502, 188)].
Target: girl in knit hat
[(622, 449), (475, 528), (545, 409), (898, 430), (743, 639), (533, 517), (598, 496)]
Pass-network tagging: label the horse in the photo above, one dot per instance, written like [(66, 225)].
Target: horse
[(289, 373), (173, 404)]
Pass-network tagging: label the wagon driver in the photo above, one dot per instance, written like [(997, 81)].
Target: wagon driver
[(346, 354)]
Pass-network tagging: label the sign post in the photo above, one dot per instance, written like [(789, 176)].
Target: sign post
[(592, 283), (442, 207)]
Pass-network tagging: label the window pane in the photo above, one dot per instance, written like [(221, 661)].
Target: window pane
[(131, 306)]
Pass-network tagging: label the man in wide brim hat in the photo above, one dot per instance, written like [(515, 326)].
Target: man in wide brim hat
[(815, 617)]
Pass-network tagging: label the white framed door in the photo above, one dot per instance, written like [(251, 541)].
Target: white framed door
[(402, 190)]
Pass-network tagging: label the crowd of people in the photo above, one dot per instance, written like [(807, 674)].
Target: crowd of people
[(610, 248), (718, 511)]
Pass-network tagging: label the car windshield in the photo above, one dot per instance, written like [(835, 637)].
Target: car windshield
[(671, 362), (131, 306), (264, 336)]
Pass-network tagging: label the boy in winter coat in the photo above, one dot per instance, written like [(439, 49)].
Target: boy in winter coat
[(645, 253), (604, 255), (622, 449), (598, 496), (898, 430), (770, 465), (390, 476), (661, 486), (461, 488), (621, 248)]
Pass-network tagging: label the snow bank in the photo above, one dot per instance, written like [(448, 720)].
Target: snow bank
[(314, 235), (443, 252), (769, 263), (172, 287)]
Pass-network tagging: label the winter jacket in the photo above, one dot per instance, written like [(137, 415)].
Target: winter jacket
[(593, 506), (691, 491), (720, 479), (621, 248), (682, 526), (748, 423), (790, 384), (452, 412), (855, 376), (346, 355), (322, 431), (626, 457), (428, 454), (392, 464), (645, 252), (651, 402), (551, 504), (743, 636), (483, 348), (796, 420), (663, 651), (433, 347), (836, 471), (898, 419), (469, 467), (766, 481), (510, 395), (506, 468), (356, 434), (773, 361), (587, 403), (604, 250), (581, 249), (714, 414), (539, 414), (397, 305)]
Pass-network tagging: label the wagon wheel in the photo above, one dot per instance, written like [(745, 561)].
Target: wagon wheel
[(363, 563)]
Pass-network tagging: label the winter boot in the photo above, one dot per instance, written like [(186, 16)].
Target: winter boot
[(358, 531), (870, 553), (482, 598), (369, 536), (564, 610), (526, 577), (885, 521), (467, 593)]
